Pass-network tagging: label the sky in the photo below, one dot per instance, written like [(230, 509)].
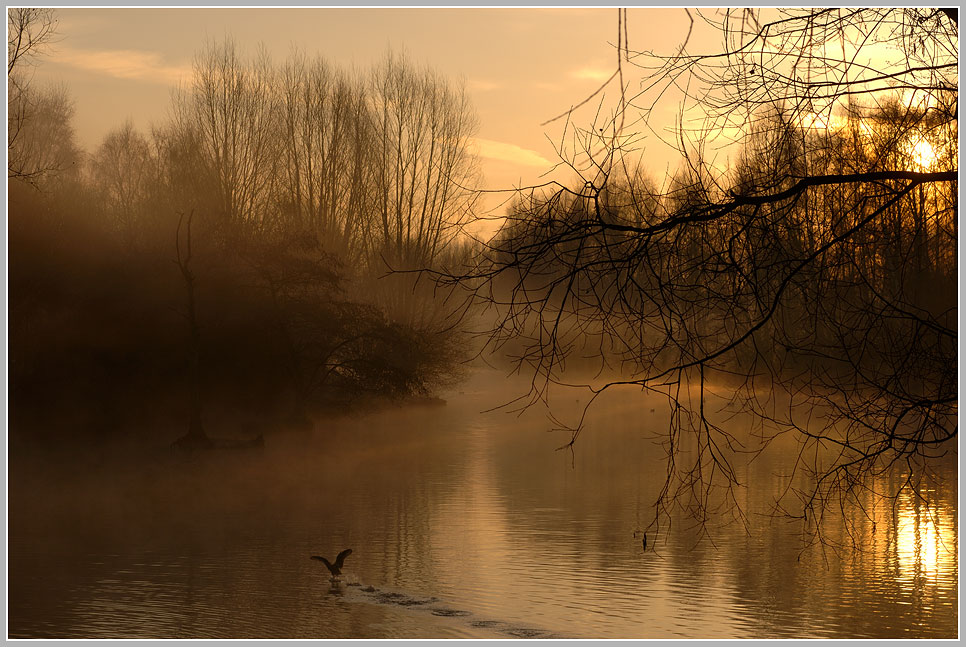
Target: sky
[(521, 67)]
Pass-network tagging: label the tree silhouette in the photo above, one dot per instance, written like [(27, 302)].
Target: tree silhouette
[(809, 281), (196, 437), (422, 126), (39, 136)]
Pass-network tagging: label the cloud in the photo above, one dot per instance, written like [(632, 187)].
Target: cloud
[(549, 87), (482, 85), (593, 73), (125, 64), (510, 153)]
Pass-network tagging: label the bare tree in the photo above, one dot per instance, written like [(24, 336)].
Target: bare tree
[(39, 135), (227, 117), (813, 278), (380, 171), (29, 30), (196, 437), (42, 147), (124, 170), (426, 173), (327, 177)]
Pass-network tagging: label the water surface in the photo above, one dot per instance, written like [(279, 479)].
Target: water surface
[(463, 524)]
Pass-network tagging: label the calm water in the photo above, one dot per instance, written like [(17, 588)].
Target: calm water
[(463, 525)]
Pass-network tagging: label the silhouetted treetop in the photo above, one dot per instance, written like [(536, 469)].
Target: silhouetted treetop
[(799, 266)]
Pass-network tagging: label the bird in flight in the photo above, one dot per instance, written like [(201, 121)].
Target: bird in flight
[(336, 568)]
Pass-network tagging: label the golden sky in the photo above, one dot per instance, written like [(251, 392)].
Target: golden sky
[(521, 66)]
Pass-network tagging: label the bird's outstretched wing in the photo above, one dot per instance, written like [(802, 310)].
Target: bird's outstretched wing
[(341, 558), (327, 563)]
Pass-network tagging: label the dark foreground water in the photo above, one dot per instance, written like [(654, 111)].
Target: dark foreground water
[(462, 525)]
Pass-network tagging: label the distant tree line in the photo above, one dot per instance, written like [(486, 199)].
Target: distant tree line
[(299, 186), (376, 167)]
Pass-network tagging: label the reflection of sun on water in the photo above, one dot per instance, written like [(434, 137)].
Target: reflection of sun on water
[(917, 542), (925, 541)]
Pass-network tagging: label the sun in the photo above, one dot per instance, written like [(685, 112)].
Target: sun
[(923, 154)]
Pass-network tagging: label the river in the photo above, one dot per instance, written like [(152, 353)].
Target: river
[(463, 524)]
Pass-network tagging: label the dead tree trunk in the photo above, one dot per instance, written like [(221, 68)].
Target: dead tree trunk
[(196, 438)]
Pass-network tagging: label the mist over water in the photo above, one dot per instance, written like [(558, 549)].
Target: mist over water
[(462, 524)]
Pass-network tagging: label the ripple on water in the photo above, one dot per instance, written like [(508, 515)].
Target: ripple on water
[(465, 515)]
